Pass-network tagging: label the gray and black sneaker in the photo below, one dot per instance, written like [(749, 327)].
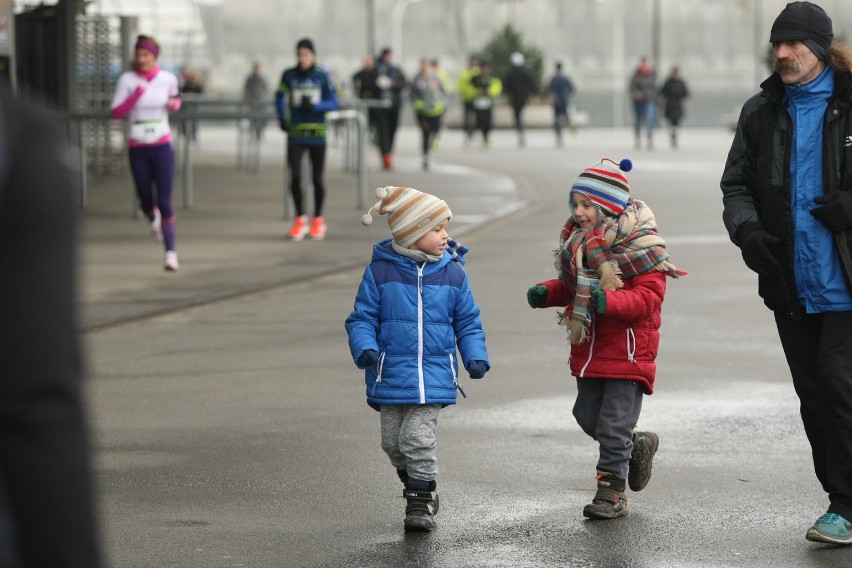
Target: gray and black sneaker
[(421, 507), (645, 445), (609, 501)]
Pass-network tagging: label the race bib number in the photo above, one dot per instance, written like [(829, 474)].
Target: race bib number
[(312, 92), (482, 103), (148, 131)]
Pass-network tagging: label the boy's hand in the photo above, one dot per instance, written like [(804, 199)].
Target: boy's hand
[(368, 358), (599, 299), (477, 369), (536, 296)]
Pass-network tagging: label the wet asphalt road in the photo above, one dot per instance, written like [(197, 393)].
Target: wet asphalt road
[(236, 433)]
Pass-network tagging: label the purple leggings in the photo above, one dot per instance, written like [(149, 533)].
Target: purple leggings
[(155, 165)]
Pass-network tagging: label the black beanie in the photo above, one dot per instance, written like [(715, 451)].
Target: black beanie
[(805, 22), (307, 44)]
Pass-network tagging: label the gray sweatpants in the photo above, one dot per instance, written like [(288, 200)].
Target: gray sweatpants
[(607, 410), (409, 438)]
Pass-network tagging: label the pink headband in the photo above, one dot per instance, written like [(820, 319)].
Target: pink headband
[(148, 45)]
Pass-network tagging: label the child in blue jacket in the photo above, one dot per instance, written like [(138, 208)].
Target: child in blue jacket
[(413, 308)]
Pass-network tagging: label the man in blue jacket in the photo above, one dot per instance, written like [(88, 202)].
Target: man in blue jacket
[(305, 94), (787, 192)]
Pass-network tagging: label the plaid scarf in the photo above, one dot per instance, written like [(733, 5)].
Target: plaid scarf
[(616, 248)]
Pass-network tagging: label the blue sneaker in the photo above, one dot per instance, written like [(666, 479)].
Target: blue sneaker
[(831, 528)]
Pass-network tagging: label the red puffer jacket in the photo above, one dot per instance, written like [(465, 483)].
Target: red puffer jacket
[(624, 339)]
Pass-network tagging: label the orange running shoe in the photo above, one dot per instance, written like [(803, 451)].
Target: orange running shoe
[(317, 232), (299, 228)]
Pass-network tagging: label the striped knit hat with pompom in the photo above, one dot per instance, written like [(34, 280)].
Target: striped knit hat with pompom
[(411, 213), (605, 185)]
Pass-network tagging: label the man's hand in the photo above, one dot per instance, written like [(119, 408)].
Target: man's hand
[(836, 211), (756, 244)]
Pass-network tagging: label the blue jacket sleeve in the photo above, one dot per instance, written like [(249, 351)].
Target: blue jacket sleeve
[(470, 336), (329, 96), (280, 102), (362, 325)]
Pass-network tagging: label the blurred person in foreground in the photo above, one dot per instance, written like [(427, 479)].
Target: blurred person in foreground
[(47, 516), (787, 194)]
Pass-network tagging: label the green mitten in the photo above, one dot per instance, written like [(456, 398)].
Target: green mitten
[(536, 296), (599, 297)]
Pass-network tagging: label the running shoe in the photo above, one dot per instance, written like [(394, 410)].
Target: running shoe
[(317, 232), (170, 264), (831, 528), (299, 228)]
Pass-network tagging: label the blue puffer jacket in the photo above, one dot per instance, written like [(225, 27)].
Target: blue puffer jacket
[(413, 315)]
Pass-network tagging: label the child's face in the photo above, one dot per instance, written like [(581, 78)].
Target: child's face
[(435, 241), (585, 212)]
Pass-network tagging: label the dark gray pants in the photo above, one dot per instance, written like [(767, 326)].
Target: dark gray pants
[(409, 438), (607, 410), (819, 353)]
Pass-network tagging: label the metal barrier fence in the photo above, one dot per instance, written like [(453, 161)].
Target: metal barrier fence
[(351, 121)]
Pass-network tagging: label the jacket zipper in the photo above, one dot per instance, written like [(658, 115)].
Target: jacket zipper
[(379, 372), (591, 353), (420, 380), (455, 376), (631, 345)]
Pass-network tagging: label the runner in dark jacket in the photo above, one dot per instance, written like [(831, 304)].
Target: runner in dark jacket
[(519, 86)]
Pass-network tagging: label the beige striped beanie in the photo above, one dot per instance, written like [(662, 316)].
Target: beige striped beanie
[(411, 213)]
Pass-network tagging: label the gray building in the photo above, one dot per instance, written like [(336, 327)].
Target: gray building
[(720, 45)]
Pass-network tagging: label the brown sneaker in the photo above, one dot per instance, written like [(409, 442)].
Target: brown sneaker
[(609, 502), (645, 445)]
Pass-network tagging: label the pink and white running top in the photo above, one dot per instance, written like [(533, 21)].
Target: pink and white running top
[(145, 100)]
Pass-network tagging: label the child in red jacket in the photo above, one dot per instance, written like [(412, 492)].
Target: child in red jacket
[(612, 270)]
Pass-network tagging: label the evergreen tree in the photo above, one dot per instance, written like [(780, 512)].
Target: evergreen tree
[(502, 45)]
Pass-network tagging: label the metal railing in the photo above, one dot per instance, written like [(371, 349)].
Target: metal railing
[(352, 120)]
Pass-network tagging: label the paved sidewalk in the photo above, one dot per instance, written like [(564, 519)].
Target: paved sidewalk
[(232, 241)]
